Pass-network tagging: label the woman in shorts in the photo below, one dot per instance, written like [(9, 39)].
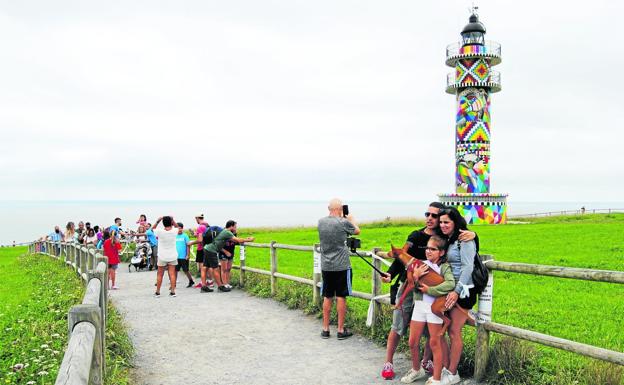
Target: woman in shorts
[(460, 256), (422, 315), (111, 250)]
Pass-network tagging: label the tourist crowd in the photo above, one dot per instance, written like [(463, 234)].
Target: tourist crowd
[(169, 249)]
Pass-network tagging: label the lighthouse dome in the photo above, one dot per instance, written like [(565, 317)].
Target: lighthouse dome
[(474, 32), (474, 25)]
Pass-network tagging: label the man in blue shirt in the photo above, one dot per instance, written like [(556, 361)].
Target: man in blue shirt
[(184, 250), (151, 237), (56, 236), (117, 228)]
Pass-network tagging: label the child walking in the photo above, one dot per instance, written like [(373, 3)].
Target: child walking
[(422, 315)]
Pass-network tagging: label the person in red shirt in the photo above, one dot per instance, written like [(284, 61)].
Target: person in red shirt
[(111, 250)]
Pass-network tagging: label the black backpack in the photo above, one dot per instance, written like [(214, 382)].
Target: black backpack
[(480, 273), (210, 234)]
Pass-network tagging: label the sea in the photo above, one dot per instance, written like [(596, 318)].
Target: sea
[(24, 221)]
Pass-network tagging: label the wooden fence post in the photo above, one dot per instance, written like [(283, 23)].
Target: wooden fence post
[(71, 257), (90, 313), (273, 268), (84, 264), (241, 258), (376, 284), (102, 271), (316, 275), (79, 261), (484, 314)]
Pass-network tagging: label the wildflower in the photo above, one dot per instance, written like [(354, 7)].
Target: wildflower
[(31, 383), (55, 335), (42, 373), (44, 346), (18, 367), (55, 352)]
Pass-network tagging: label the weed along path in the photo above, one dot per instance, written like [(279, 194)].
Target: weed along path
[(234, 338)]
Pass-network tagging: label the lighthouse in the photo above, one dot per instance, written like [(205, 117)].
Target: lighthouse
[(473, 82)]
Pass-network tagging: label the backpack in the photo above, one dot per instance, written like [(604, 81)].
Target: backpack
[(480, 273), (210, 234)]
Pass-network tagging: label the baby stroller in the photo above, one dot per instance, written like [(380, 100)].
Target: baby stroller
[(142, 255)]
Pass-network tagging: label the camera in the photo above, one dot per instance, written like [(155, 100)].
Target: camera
[(345, 210), (353, 244)]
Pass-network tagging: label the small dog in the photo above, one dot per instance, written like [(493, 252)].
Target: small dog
[(431, 278)]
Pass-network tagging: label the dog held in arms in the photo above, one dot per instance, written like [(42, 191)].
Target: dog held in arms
[(431, 278)]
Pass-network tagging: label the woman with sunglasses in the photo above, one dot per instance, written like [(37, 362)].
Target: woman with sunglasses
[(460, 255)]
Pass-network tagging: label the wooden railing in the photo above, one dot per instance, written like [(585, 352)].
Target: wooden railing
[(567, 212), (484, 323), (84, 360)]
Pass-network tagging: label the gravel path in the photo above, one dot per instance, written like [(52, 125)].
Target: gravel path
[(234, 338)]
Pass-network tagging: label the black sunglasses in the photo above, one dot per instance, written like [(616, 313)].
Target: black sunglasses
[(432, 215)]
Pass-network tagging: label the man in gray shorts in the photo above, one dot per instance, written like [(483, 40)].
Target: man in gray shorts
[(335, 264)]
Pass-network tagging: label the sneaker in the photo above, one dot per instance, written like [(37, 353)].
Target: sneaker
[(344, 335), (172, 294), (448, 378), (115, 287), (325, 334), (211, 283), (388, 371), (224, 289), (206, 289), (228, 286), (413, 375), (428, 366), (199, 285), (156, 295), (431, 381), (191, 283)]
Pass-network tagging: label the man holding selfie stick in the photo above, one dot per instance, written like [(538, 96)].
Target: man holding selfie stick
[(335, 264)]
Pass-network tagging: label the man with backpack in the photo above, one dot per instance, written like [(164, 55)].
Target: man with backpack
[(202, 227), (214, 241)]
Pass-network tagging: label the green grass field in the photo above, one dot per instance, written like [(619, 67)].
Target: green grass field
[(582, 311), (35, 295)]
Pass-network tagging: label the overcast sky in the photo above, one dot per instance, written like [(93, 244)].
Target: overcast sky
[(300, 100)]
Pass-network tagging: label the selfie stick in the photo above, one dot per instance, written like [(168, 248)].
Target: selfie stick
[(371, 265)]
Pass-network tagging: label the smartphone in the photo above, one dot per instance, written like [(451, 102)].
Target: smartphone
[(345, 210)]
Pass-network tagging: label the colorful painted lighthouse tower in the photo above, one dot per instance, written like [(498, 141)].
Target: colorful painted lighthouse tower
[(473, 82)]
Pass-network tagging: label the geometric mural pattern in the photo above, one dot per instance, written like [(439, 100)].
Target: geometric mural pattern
[(484, 214), (470, 71), (472, 142), (473, 115)]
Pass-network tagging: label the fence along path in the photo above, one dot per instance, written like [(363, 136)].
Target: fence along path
[(235, 338), (84, 359), (485, 325)]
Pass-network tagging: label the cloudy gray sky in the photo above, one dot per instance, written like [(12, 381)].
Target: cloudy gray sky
[(300, 100)]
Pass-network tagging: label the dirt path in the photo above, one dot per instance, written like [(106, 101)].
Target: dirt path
[(234, 338)]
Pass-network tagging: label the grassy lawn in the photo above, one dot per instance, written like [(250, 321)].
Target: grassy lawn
[(35, 295), (583, 311)]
